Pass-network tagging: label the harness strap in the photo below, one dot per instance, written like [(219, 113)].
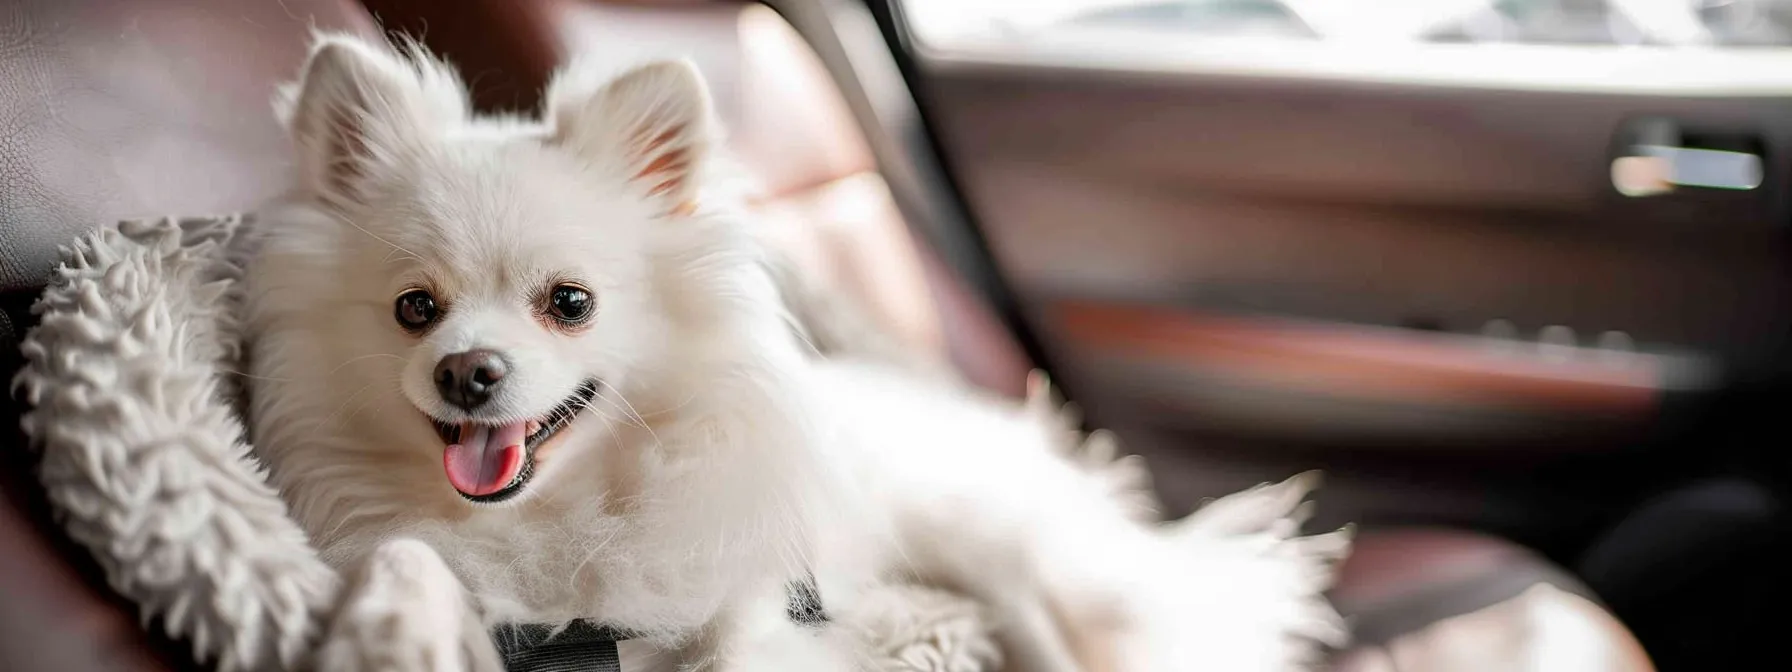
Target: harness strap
[(584, 646)]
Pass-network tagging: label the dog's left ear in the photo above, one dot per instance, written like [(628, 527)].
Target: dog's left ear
[(654, 123)]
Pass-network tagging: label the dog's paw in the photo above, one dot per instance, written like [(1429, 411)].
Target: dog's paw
[(404, 611), (1124, 477), (917, 629), (1240, 566), (1276, 508)]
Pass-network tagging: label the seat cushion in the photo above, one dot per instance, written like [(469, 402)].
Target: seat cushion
[(1422, 600)]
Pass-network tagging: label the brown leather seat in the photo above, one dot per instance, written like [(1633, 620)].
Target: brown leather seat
[(1422, 599), (110, 110), (115, 109)]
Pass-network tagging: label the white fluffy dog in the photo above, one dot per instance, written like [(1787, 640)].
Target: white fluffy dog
[(538, 348)]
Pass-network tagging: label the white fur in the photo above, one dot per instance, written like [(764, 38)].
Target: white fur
[(719, 462)]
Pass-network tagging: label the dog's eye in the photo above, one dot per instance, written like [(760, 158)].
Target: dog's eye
[(415, 310), (571, 304)]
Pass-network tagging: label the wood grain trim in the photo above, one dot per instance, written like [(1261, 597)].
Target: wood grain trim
[(1362, 362)]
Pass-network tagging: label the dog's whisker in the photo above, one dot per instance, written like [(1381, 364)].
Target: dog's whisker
[(250, 376), (370, 234), (333, 370), (350, 416), (637, 421), (394, 257), (334, 416), (611, 427), (631, 410), (673, 409)]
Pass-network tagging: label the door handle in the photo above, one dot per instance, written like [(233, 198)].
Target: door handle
[(1659, 158)]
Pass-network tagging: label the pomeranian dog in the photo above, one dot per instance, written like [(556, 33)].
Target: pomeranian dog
[(541, 349)]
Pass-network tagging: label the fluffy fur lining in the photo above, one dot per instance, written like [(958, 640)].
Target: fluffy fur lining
[(143, 455)]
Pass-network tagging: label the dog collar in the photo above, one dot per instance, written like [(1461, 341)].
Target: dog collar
[(584, 646)]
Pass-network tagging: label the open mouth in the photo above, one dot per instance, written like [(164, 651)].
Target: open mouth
[(493, 462)]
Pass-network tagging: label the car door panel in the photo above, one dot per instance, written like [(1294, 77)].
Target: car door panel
[(1247, 266)]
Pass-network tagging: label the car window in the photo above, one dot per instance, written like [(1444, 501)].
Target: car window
[(1721, 23)]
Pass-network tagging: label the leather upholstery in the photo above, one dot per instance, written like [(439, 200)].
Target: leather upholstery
[(1423, 599), (117, 109), (111, 109)]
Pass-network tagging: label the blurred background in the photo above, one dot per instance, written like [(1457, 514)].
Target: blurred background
[(1731, 23), (1513, 273)]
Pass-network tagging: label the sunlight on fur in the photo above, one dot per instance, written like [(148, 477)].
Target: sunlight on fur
[(720, 457)]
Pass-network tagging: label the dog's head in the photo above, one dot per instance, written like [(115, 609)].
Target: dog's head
[(504, 268)]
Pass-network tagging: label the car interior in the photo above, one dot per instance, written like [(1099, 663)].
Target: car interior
[(1513, 275)]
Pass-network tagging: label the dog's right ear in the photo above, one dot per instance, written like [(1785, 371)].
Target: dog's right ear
[(357, 107), (653, 124)]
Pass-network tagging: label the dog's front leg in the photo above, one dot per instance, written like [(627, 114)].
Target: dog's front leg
[(404, 611)]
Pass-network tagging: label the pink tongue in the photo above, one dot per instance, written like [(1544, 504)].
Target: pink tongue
[(486, 459)]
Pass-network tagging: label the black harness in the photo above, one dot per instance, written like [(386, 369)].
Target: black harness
[(579, 647), (583, 646)]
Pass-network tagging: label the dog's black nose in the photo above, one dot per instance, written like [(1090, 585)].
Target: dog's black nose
[(468, 379)]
